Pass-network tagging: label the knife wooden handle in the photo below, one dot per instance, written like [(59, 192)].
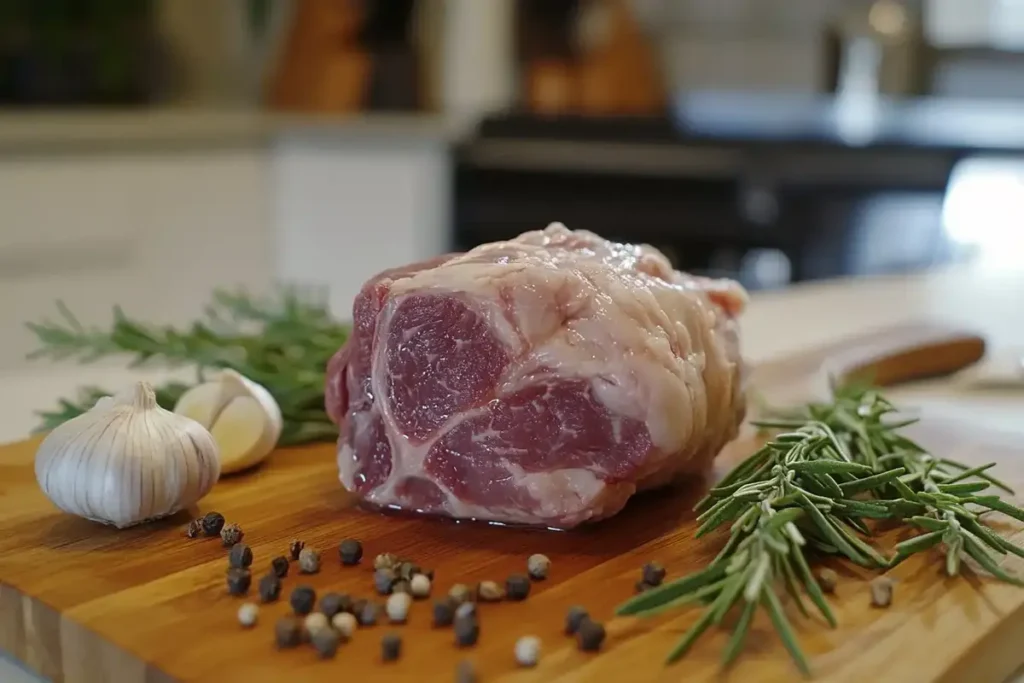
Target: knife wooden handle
[(904, 354)]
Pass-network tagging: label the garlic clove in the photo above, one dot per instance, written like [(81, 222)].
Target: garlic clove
[(127, 461), (251, 418), (243, 434)]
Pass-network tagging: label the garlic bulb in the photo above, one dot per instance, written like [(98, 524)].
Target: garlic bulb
[(127, 460), (242, 416)]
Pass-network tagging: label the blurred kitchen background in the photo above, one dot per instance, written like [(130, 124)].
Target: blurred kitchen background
[(151, 151)]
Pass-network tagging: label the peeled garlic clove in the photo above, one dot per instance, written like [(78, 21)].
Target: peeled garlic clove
[(127, 461), (242, 416)]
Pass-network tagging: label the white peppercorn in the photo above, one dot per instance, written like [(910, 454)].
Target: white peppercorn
[(316, 621), (537, 566), (247, 614), (385, 561), (460, 593), (527, 651), (419, 586), (344, 623), (827, 579), (397, 607), (881, 591), (309, 561), (489, 591)]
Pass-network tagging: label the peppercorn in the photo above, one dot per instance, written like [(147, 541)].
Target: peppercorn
[(212, 523), (407, 570), (247, 615), (401, 586), (881, 591), (517, 587), (345, 624), (230, 535), (195, 527), (827, 579), (358, 606), (270, 588), (488, 591), (460, 593), (537, 566), (333, 603), (390, 647), (288, 632), (527, 651), (590, 635), (302, 600), (294, 548), (315, 621), (384, 580), (467, 631), (385, 561), (444, 612), (350, 551), (419, 586), (640, 586), (573, 618), (279, 565), (429, 573), (466, 609), (368, 615), (652, 574), (240, 556), (325, 642), (309, 561), (397, 607), (239, 581), (465, 673)]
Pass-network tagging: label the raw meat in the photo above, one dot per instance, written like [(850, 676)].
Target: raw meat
[(540, 381)]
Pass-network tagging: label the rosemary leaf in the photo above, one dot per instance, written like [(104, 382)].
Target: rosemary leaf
[(739, 634), (667, 592), (691, 636), (813, 589), (869, 483), (975, 550), (785, 631)]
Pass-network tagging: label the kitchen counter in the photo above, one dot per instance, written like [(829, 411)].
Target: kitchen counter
[(45, 130), (777, 323)]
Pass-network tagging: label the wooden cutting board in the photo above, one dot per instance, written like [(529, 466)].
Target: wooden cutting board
[(83, 603)]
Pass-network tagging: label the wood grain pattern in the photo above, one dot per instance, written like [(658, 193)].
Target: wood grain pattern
[(82, 603)]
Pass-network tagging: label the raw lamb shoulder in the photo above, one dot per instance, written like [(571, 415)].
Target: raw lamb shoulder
[(543, 380)]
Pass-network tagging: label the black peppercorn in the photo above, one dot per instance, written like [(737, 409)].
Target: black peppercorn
[(302, 600), (288, 632), (239, 581), (333, 603), (401, 586), (270, 588), (213, 522), (367, 615), (240, 556), (517, 587), (350, 551), (231, 534), (653, 574), (444, 612), (383, 581), (390, 647), (590, 635), (467, 631), (325, 641), (294, 548), (279, 565), (640, 586), (195, 527), (573, 618)]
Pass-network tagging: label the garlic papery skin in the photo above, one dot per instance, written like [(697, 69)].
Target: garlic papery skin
[(127, 461), (242, 416)]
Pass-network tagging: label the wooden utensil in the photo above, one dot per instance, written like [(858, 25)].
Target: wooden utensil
[(82, 603)]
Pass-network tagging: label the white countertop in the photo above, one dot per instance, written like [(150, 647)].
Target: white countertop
[(777, 323)]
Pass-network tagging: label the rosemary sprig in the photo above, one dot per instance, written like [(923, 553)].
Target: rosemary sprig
[(812, 489), (283, 343)]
